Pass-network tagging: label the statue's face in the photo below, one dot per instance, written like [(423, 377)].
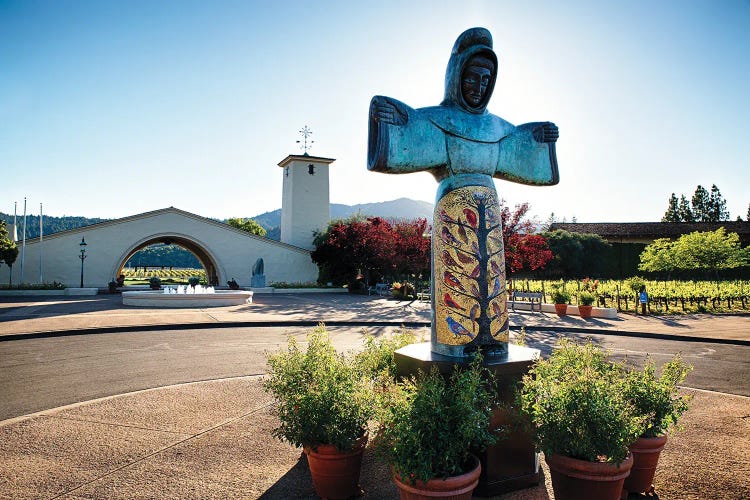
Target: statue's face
[(474, 83)]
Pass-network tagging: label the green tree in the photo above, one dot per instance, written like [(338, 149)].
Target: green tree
[(710, 250), (672, 214), (701, 206), (717, 206), (747, 218), (659, 257), (576, 255), (248, 225), (8, 250), (684, 212)]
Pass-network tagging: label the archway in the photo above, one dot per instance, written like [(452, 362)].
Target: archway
[(213, 271)]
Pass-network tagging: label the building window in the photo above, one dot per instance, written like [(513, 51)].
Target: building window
[(311, 169), (286, 171)]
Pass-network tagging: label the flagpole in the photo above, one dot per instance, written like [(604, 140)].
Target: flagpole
[(15, 224), (23, 245), (41, 246)]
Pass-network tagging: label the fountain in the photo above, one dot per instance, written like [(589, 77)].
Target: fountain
[(186, 296)]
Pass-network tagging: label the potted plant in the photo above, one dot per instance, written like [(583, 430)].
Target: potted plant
[(428, 427), (560, 298), (585, 303), (581, 420), (323, 405), (154, 283), (657, 399), (193, 281)]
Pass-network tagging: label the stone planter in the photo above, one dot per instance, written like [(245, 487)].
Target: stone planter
[(574, 479), (646, 453), (454, 487), (585, 311), (335, 474)]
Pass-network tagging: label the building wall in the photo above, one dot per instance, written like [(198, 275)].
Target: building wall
[(233, 251)]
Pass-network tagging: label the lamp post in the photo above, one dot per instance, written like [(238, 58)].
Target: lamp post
[(82, 244)]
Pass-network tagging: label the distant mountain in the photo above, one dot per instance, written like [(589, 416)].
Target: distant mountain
[(402, 208), (51, 224)]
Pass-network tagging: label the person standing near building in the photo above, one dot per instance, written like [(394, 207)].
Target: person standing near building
[(643, 299)]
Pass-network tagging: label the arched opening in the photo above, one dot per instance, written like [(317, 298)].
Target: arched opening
[(151, 259)]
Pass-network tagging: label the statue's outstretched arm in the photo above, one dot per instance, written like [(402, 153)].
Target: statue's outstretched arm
[(528, 155), (401, 139), (386, 110)]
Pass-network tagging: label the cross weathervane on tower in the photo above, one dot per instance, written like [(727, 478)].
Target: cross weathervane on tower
[(306, 142)]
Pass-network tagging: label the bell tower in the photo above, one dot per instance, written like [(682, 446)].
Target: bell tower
[(305, 198)]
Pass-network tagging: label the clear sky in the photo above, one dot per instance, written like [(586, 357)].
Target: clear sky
[(109, 109)]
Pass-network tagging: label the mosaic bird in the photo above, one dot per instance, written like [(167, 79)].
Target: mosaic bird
[(473, 316), (474, 290), (496, 310), (474, 272), (446, 218), (448, 260), (447, 237), (495, 268), (462, 232), (452, 281), (465, 259), (448, 300), (496, 287), (458, 329), (471, 217)]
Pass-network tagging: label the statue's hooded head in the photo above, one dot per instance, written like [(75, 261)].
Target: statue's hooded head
[(472, 70)]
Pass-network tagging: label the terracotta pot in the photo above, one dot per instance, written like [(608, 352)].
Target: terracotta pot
[(585, 311), (561, 309), (646, 453), (335, 474), (453, 488), (581, 480)]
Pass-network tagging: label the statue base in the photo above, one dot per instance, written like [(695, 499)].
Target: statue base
[(258, 281), (512, 463)]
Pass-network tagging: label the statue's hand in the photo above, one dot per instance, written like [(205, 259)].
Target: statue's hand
[(546, 132), (385, 110)]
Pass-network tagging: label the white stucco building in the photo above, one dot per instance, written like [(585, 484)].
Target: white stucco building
[(225, 252)]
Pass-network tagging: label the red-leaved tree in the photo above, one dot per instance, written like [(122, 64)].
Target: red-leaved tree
[(371, 249), (524, 250), (411, 256)]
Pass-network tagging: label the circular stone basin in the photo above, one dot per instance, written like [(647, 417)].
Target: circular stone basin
[(158, 298)]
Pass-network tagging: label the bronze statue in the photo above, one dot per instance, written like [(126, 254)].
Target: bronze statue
[(464, 147)]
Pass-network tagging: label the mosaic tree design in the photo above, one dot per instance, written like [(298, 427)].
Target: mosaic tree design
[(470, 295)]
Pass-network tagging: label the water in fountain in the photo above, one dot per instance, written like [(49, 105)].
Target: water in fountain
[(189, 290)]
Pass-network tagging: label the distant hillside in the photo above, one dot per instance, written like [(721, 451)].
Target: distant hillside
[(402, 208), (51, 224)]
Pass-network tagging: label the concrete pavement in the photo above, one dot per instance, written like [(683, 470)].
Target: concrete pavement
[(69, 315), (212, 439)]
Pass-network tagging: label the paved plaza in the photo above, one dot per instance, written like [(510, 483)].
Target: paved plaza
[(211, 438)]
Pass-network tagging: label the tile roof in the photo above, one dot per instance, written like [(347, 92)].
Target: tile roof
[(616, 230)]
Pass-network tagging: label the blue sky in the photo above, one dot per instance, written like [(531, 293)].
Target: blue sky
[(109, 109)]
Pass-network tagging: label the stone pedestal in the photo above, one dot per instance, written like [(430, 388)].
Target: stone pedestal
[(258, 281), (512, 463)]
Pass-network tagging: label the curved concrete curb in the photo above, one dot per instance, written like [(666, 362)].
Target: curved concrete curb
[(310, 324)]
